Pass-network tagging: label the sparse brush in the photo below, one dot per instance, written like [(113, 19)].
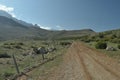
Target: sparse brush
[(4, 55), (101, 45), (119, 46), (20, 43), (17, 47)]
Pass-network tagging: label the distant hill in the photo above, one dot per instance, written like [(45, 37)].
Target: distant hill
[(67, 34), (111, 35), (107, 36), (12, 28), (112, 32)]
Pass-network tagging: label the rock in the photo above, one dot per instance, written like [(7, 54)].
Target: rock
[(111, 49)]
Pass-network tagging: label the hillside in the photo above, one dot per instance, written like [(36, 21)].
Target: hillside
[(115, 33), (11, 28), (67, 34), (109, 36), (112, 35)]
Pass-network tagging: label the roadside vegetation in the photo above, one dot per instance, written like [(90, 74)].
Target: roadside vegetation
[(25, 60), (108, 42), (101, 45)]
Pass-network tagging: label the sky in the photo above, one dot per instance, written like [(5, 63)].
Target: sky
[(99, 15)]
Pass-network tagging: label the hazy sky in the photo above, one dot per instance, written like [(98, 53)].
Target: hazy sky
[(99, 15)]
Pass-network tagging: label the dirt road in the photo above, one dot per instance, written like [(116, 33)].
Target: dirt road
[(83, 63)]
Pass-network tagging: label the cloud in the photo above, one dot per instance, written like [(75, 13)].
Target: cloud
[(10, 10), (13, 15), (50, 28), (5, 8), (45, 27), (59, 27)]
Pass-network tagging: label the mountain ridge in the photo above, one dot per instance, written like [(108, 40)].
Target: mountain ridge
[(11, 28), (6, 14)]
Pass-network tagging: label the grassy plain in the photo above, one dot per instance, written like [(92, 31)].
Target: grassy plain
[(19, 48)]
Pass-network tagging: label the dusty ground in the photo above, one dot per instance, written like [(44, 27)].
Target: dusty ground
[(83, 63)]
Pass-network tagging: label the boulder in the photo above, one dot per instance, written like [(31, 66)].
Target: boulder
[(111, 49)]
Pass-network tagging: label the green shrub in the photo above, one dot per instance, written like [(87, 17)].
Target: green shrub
[(115, 40), (6, 44), (65, 43), (101, 35), (45, 43), (17, 47), (5, 75), (20, 43), (12, 43), (119, 46), (101, 45), (4, 55)]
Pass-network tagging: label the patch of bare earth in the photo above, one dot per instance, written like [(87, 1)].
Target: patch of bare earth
[(83, 63)]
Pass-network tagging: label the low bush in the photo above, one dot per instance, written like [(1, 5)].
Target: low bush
[(115, 40), (5, 55), (65, 43), (12, 43), (20, 43), (17, 47), (119, 46), (101, 45), (87, 40), (7, 46), (5, 75)]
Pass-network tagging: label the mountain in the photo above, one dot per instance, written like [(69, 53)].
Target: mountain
[(5, 14), (23, 22), (12, 28)]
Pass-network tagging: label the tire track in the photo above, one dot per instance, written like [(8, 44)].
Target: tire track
[(80, 57), (105, 67), (84, 67), (90, 54)]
